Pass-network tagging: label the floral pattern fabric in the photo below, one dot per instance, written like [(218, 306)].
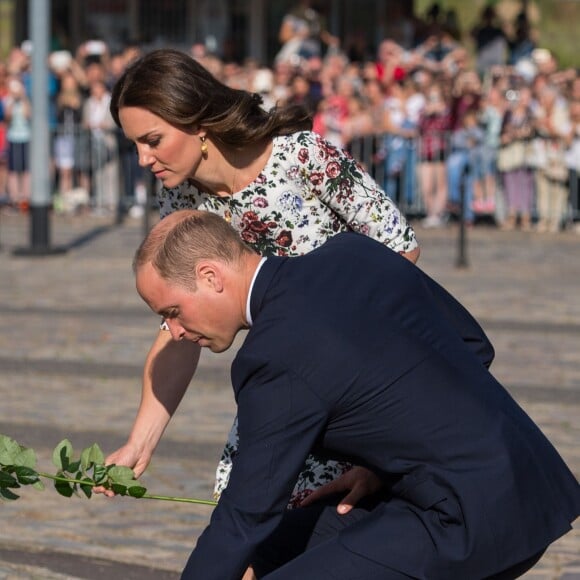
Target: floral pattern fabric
[(308, 191)]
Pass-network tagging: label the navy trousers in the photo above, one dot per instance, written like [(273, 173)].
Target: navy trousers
[(306, 545)]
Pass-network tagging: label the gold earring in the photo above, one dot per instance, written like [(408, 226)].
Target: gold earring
[(203, 147)]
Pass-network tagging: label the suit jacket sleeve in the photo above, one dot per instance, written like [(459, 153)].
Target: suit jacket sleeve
[(466, 326), (279, 419)]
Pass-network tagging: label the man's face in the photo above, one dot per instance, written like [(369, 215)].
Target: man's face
[(204, 315)]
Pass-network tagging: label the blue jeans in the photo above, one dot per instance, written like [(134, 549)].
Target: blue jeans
[(400, 164), (460, 174)]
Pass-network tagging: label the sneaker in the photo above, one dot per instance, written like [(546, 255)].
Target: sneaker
[(490, 206), (136, 211), (432, 221)]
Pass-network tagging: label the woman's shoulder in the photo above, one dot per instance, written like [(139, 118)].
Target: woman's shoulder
[(304, 148), (304, 140), (296, 139), (297, 146)]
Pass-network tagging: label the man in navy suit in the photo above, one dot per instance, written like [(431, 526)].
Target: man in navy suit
[(354, 352)]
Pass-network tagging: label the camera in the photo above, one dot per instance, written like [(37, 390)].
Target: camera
[(512, 95)]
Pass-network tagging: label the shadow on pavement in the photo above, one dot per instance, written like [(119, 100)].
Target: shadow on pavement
[(82, 566)]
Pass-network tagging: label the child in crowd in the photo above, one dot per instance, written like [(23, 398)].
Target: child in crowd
[(491, 116), (434, 124), (462, 168), (17, 113)]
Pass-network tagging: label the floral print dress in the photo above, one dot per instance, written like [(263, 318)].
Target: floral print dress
[(308, 191)]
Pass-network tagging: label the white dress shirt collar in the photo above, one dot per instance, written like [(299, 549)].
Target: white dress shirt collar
[(248, 311)]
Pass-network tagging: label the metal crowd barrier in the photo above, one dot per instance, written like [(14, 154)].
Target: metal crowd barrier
[(96, 169), (394, 163), (105, 174)]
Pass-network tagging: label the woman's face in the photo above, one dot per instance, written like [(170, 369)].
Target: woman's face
[(171, 154), (68, 82), (435, 95)]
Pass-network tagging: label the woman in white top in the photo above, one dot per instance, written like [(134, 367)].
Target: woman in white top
[(284, 188)]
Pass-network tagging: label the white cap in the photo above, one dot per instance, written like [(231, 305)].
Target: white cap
[(263, 81), (60, 59), (526, 69), (26, 47)]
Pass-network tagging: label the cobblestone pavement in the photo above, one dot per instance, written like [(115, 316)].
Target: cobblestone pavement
[(74, 333)]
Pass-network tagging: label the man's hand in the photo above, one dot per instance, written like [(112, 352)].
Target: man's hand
[(130, 456), (359, 482), (249, 574)]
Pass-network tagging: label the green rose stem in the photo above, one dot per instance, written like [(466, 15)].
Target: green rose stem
[(144, 496), (18, 468), (181, 499)]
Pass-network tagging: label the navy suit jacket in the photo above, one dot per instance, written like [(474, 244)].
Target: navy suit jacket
[(356, 353)]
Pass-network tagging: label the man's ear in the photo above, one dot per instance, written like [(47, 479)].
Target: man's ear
[(210, 273)]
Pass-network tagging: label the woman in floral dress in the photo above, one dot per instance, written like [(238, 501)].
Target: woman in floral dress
[(283, 187)]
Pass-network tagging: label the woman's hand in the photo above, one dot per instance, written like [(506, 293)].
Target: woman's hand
[(359, 482), (128, 456), (412, 255)]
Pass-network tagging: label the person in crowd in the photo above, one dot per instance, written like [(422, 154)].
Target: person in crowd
[(491, 42), (301, 93), (89, 66), (282, 73), (374, 96), (402, 109), (415, 102), (263, 84), (466, 96), (572, 141), (552, 125), (18, 117), (332, 114), (518, 179), (390, 57), (370, 151), (69, 114), (4, 198), (283, 188), (434, 126), (302, 33), (463, 164), (574, 91), (491, 117), (469, 485), (98, 124), (521, 43), (440, 52), (466, 139), (358, 123), (133, 197), (234, 76)]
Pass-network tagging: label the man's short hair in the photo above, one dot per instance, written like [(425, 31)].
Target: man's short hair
[(176, 244)]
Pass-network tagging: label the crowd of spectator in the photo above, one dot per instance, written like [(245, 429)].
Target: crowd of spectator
[(495, 131)]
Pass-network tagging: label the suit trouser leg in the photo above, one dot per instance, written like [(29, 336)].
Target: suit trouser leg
[(305, 528), (332, 561), (306, 546)]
